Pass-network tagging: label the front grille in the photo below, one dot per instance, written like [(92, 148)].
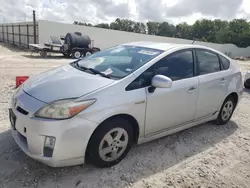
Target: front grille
[(22, 111)]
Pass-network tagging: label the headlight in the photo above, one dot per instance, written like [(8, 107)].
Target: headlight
[(63, 109)]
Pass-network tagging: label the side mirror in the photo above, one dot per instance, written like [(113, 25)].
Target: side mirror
[(160, 81)]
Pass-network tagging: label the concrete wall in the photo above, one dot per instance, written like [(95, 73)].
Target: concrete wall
[(103, 38), (13, 33)]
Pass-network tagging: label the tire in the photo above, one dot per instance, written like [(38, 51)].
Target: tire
[(66, 55), (100, 152), (88, 53), (246, 86), (226, 111), (76, 54), (43, 53)]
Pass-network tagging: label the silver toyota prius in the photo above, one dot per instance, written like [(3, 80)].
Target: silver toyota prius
[(94, 109)]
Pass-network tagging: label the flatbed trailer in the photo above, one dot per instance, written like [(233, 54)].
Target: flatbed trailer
[(44, 49)]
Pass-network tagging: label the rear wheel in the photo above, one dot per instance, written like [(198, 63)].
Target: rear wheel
[(110, 143), (88, 54), (76, 54), (226, 111)]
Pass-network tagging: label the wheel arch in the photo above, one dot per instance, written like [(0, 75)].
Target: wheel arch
[(130, 118), (232, 94), (235, 97)]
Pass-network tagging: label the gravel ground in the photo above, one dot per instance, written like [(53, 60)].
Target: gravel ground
[(203, 156)]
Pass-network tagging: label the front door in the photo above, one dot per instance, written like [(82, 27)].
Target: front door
[(171, 107)]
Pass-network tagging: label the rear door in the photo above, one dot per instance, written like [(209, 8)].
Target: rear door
[(213, 83)]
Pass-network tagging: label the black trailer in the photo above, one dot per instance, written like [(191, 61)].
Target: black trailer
[(75, 45)]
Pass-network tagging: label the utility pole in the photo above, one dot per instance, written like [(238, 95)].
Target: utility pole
[(34, 25)]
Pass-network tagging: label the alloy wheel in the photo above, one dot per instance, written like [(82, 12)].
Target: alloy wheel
[(227, 110), (113, 144)]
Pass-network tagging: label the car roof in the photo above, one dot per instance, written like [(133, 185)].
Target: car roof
[(163, 46)]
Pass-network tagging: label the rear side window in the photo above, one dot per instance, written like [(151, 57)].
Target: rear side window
[(225, 62), (208, 62)]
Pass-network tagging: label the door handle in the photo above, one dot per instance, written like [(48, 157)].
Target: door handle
[(191, 90), (223, 80)]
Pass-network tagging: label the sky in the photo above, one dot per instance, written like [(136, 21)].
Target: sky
[(98, 11)]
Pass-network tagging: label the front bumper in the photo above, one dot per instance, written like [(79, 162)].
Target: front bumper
[(72, 136)]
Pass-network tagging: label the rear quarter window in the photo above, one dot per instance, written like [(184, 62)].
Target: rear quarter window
[(225, 62)]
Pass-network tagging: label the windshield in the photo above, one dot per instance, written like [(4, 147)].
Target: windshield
[(119, 61)]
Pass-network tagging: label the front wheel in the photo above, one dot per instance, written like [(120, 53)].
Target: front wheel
[(110, 143), (226, 111), (43, 53), (66, 55)]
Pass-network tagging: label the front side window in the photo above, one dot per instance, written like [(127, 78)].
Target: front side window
[(119, 61), (177, 66), (208, 62)]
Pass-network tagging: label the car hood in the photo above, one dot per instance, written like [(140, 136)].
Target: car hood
[(62, 83)]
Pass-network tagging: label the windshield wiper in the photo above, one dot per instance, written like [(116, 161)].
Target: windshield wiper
[(98, 72), (92, 70)]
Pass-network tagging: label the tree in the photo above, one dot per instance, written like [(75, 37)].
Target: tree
[(244, 39), (82, 23), (220, 25), (103, 25), (235, 32), (239, 26), (139, 28), (153, 28), (183, 30), (166, 29), (122, 24)]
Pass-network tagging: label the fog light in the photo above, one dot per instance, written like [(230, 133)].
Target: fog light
[(50, 142), (49, 146)]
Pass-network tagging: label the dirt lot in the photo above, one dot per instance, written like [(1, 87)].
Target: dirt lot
[(203, 156)]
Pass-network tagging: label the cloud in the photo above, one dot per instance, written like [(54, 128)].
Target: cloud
[(92, 11), (162, 10), (151, 10), (96, 11), (226, 9), (13, 11)]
